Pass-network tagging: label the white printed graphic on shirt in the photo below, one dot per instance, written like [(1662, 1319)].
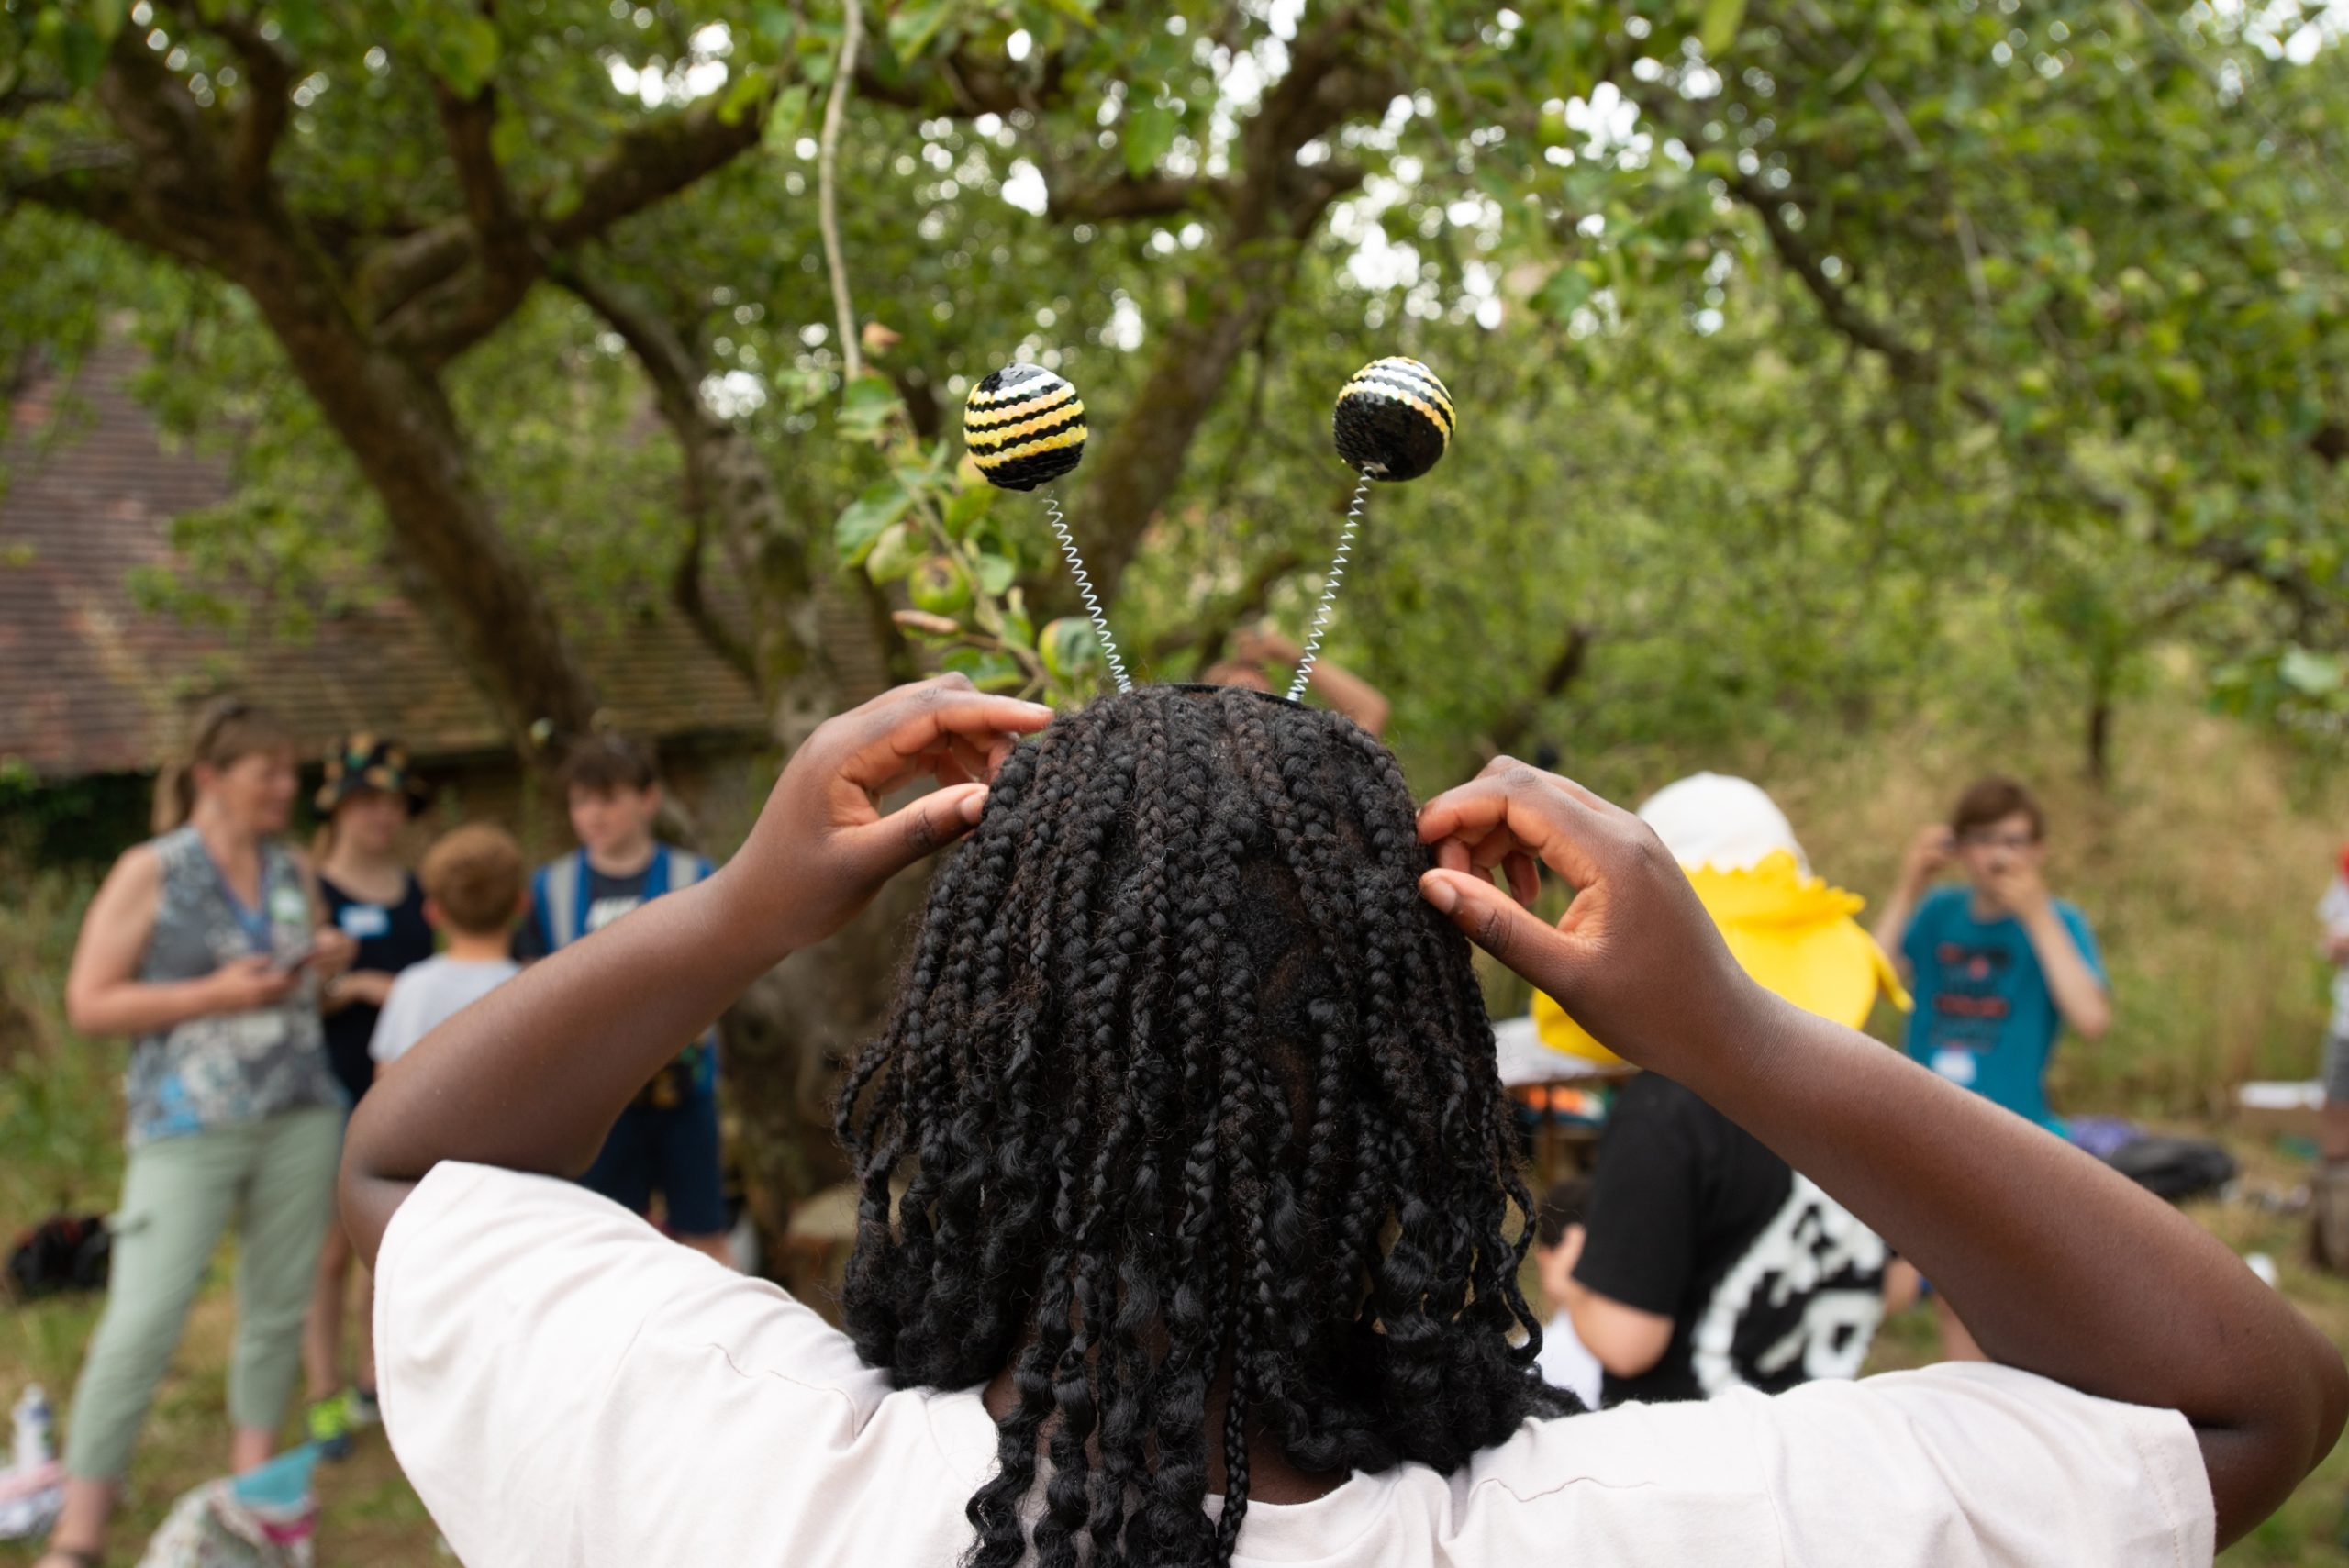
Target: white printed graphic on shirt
[(1814, 1256), (604, 911), (1955, 1064)]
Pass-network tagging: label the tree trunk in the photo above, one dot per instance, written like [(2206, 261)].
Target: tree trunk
[(1266, 220), (2101, 680), (399, 429), (824, 644)]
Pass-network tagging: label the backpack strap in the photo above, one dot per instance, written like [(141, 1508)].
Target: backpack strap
[(685, 869), (558, 899)]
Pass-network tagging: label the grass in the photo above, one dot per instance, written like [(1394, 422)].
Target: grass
[(2198, 865)]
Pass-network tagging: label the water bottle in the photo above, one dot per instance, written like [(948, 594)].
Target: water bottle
[(36, 1430)]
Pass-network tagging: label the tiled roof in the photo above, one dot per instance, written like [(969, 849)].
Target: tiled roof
[(90, 681)]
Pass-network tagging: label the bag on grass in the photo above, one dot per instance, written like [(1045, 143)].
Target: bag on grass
[(2174, 1168), (65, 1252), (263, 1518)]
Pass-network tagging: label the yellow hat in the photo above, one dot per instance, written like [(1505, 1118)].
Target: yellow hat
[(1791, 931)]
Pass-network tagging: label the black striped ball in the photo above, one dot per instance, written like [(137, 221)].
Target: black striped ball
[(1392, 420), (1024, 427)]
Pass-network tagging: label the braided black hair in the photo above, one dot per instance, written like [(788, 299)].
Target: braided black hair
[(1186, 1082)]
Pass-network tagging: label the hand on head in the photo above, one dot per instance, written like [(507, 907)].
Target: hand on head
[(1635, 958), (823, 828), (1933, 847)]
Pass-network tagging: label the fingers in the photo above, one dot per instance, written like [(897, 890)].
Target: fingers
[(1504, 927), (950, 708), (918, 830), (941, 727), (1512, 809), (1524, 878)]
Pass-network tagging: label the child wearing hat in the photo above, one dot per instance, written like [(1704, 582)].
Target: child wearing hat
[(369, 795), (1707, 1263)]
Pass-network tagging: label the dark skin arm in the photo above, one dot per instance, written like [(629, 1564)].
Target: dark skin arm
[(533, 1075), (2059, 1265)]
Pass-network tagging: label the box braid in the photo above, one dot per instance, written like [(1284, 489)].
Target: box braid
[(1186, 1082)]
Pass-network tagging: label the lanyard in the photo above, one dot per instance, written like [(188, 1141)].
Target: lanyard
[(255, 922)]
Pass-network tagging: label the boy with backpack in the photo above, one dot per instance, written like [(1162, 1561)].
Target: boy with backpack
[(667, 1141)]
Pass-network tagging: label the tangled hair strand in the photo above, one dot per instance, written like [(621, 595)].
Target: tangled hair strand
[(1187, 1091)]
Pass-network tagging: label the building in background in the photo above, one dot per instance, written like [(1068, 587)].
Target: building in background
[(95, 682)]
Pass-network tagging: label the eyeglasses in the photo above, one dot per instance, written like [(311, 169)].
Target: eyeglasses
[(1997, 841)]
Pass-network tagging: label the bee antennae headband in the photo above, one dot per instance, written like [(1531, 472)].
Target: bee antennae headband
[(1025, 427)]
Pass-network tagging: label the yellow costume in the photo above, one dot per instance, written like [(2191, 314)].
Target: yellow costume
[(1791, 931)]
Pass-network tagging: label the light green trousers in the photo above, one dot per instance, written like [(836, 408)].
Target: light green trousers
[(276, 1179)]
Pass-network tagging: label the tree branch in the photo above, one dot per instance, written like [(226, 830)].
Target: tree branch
[(685, 590), (431, 293), (1907, 363), (649, 163), (1208, 632), (1159, 196), (269, 85), (1240, 278), (827, 209), (966, 84), (468, 125), (1510, 727)]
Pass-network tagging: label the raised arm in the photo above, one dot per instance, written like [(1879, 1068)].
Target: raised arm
[(2072, 981), (104, 995), (1337, 687), (1928, 852), (2060, 1267), (576, 1035)]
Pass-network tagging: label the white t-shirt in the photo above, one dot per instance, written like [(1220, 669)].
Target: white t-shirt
[(566, 1389), (425, 996), (1566, 1362)]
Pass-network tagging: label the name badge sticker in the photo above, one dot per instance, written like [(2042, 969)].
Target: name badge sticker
[(361, 921)]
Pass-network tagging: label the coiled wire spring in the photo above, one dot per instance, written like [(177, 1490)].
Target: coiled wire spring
[(1085, 586), (1336, 576)]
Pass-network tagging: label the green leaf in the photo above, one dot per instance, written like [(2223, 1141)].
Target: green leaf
[(1069, 647), (742, 96), (988, 670), (866, 405), (509, 139), (996, 575), (463, 48), (1150, 131), (304, 23), (911, 27), (106, 17), (82, 51), (2310, 673), (893, 554), (785, 115), (859, 527), (773, 24), (1717, 30), (1566, 292), (1017, 627), (964, 512)]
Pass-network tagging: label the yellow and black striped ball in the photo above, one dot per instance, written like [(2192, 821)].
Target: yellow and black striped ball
[(1024, 427), (1394, 420)]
